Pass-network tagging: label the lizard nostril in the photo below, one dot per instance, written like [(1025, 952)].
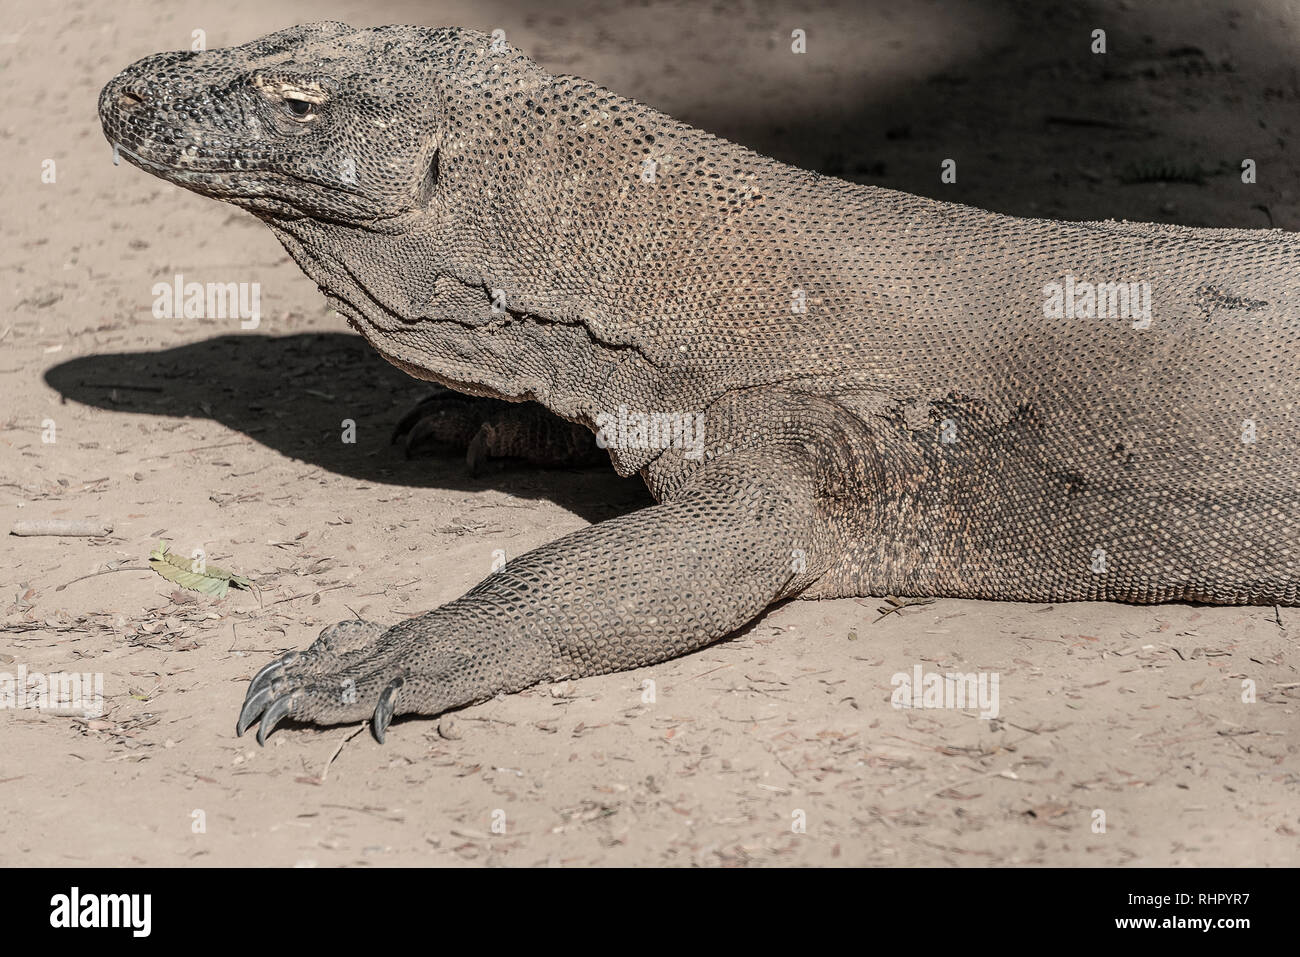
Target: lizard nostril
[(128, 100)]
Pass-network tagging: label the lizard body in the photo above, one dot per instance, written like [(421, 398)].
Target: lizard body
[(897, 395)]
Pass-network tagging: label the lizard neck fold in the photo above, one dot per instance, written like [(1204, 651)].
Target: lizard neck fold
[(439, 328)]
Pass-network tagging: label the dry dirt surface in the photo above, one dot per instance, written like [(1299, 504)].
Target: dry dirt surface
[(1159, 735)]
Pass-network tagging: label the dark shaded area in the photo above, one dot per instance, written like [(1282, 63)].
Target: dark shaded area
[(1037, 123), (292, 394), (1041, 126)]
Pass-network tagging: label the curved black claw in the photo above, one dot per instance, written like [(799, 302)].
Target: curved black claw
[(384, 710), (254, 704), (272, 669), (278, 709), (260, 692), (477, 452), (406, 424)]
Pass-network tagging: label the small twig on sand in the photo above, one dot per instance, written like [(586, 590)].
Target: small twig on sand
[(107, 571), (307, 594), (81, 528), (896, 605), (337, 751)]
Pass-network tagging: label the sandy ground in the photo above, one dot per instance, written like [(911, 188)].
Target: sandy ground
[(208, 436)]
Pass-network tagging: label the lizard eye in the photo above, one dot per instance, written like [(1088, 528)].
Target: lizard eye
[(298, 107)]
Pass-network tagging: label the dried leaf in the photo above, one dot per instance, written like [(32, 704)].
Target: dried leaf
[(212, 581)]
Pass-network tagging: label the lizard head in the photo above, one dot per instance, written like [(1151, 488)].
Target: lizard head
[(481, 221), (411, 172), (302, 122)]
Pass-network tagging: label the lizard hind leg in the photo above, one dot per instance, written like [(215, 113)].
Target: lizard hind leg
[(489, 430)]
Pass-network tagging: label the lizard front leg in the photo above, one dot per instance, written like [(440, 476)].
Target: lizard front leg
[(628, 592)]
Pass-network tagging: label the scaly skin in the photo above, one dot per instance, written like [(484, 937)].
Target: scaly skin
[(890, 403)]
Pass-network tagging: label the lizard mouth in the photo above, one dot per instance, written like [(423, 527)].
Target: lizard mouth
[(169, 170), (147, 134), (231, 181), (153, 136)]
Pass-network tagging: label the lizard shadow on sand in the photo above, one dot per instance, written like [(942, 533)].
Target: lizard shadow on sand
[(292, 394)]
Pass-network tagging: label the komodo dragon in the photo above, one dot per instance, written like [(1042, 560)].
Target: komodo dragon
[(897, 396)]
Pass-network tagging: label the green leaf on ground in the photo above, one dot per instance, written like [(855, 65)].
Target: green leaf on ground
[(185, 572)]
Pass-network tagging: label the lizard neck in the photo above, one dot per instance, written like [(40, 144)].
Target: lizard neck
[(461, 332)]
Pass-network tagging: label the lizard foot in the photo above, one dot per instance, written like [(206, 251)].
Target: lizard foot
[(489, 429), (349, 672), (443, 420)]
